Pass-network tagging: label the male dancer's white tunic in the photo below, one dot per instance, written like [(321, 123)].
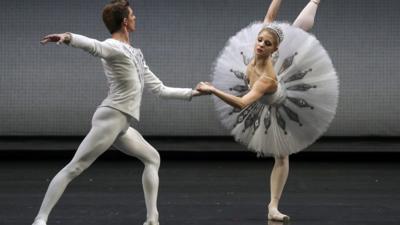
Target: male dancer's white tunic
[(127, 74)]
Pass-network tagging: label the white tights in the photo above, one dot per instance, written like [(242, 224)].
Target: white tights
[(305, 20), (109, 126)]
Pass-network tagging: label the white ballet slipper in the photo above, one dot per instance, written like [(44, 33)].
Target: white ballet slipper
[(275, 215), (151, 223), (39, 222)]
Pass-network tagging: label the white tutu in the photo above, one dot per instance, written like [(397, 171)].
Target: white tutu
[(300, 110)]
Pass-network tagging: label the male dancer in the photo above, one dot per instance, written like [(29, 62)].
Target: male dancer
[(127, 75)]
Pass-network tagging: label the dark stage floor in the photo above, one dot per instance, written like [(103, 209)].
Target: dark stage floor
[(201, 189)]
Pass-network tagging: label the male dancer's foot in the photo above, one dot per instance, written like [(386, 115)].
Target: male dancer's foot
[(275, 215), (39, 222), (151, 223), (152, 220)]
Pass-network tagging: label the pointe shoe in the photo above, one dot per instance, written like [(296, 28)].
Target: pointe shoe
[(151, 223), (275, 215), (285, 219), (316, 1), (39, 222), (272, 222)]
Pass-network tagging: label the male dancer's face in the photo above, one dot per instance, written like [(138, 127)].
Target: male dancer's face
[(131, 21)]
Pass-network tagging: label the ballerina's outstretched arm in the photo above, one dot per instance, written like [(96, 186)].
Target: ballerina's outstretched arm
[(261, 87), (272, 11), (305, 20)]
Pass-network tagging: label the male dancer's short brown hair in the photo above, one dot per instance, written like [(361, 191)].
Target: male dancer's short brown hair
[(114, 14)]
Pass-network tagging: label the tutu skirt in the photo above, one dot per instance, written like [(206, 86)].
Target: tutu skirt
[(301, 109)]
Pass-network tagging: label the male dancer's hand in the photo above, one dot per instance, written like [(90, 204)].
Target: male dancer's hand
[(58, 38), (196, 93)]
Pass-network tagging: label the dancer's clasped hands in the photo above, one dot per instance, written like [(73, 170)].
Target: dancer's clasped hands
[(205, 87)]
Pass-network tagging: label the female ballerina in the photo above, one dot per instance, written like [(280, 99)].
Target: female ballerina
[(127, 75), (280, 100)]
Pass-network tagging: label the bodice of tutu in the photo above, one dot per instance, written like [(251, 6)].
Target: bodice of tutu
[(275, 98)]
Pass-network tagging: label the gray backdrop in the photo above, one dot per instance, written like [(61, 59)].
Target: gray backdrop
[(53, 90)]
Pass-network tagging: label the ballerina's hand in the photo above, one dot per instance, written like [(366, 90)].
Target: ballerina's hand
[(58, 38), (205, 87)]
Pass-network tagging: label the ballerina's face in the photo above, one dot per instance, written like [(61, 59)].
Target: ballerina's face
[(266, 43)]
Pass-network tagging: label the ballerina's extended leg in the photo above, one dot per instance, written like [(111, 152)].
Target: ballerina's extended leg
[(305, 20)]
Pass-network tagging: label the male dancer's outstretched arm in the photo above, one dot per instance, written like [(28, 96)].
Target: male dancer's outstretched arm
[(157, 87), (94, 47), (106, 51)]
